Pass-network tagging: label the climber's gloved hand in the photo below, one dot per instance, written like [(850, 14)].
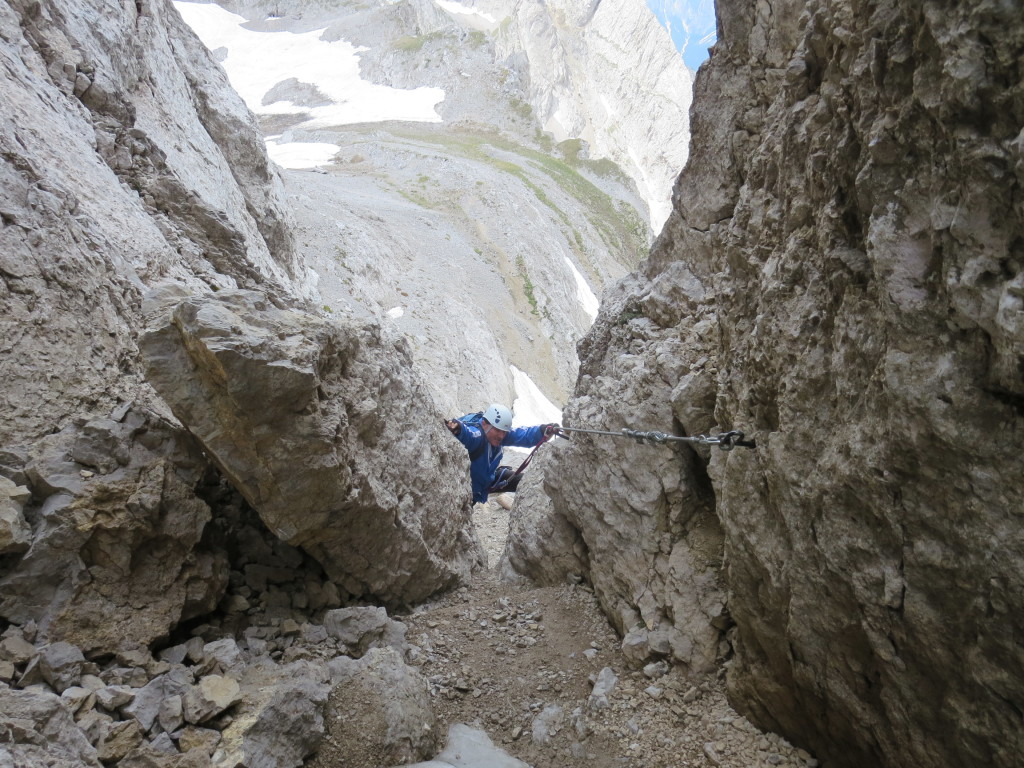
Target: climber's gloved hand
[(454, 426), (550, 430)]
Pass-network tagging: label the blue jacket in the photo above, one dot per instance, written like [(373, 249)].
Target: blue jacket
[(483, 468)]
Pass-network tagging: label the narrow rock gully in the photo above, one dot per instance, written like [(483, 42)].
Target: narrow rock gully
[(521, 664)]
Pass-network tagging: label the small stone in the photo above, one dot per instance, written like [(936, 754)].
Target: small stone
[(204, 740), (603, 686), (113, 697), (78, 698), (209, 698), (170, 715), (656, 669), (16, 649), (120, 739), (290, 627), (92, 682), (163, 743), (61, 665), (94, 724), (711, 754)]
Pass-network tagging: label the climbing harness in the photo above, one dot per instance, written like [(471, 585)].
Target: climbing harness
[(503, 480), (726, 440)]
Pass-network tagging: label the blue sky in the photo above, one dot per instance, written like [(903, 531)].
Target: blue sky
[(691, 24)]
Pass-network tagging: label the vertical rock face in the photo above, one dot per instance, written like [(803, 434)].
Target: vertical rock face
[(842, 280), (328, 434), (124, 157), (588, 63)]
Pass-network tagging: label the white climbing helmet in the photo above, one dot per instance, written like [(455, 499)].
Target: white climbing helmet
[(499, 416)]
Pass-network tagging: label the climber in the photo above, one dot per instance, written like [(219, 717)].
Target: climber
[(484, 434)]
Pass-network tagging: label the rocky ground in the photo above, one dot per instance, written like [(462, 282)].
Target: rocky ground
[(539, 669)]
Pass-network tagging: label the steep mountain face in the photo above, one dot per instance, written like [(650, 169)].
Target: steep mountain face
[(446, 193), (602, 72), (125, 158), (841, 279)]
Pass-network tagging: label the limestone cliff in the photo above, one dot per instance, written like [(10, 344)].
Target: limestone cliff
[(841, 278), (607, 73), (125, 157)]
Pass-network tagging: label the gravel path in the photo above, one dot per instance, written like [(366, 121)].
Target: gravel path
[(521, 663)]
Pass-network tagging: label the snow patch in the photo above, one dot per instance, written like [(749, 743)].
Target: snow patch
[(258, 61), (453, 7), (301, 154), (396, 312), (531, 406), (583, 292)]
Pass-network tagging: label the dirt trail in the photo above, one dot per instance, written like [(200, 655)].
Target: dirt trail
[(502, 657)]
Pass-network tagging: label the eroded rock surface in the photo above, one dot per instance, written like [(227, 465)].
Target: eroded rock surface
[(116, 505), (124, 157), (842, 280), (324, 428)]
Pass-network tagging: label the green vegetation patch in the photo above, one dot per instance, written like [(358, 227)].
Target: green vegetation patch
[(619, 224), (527, 284)]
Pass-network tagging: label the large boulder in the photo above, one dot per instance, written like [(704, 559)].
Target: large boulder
[(280, 721), (116, 559), (324, 428), (542, 546), (380, 710), (842, 278)]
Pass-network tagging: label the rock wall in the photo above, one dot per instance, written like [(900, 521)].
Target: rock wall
[(124, 157), (841, 279)]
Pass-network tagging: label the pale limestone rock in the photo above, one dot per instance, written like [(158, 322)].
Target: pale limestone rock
[(325, 429), (15, 532), (148, 700), (363, 628), (113, 697), (841, 280), (17, 649), (211, 696), (101, 193), (280, 721), (106, 597), (223, 654), (120, 739), (543, 545), (38, 730), (204, 740), (61, 665), (380, 705)]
